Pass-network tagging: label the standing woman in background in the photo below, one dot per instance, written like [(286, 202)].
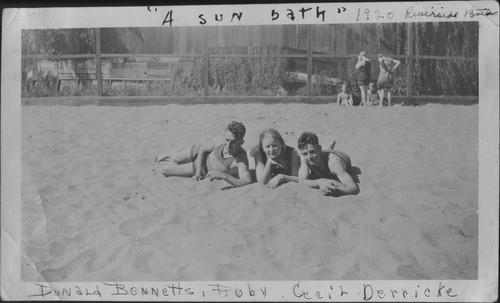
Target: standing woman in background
[(385, 77), (365, 69)]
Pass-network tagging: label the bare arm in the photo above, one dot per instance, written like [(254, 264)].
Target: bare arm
[(243, 173), (397, 64), (346, 186), (262, 170), (359, 63), (244, 176)]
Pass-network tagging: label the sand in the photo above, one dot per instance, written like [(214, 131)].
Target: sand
[(94, 210)]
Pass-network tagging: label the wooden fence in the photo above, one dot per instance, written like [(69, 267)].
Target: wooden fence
[(313, 42)]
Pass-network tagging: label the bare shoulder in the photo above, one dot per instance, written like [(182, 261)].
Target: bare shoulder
[(335, 163)]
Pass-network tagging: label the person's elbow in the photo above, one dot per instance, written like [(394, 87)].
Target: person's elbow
[(353, 190), (244, 179), (261, 180), (302, 180)]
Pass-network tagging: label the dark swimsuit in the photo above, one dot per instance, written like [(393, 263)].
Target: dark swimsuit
[(364, 75), (317, 173)]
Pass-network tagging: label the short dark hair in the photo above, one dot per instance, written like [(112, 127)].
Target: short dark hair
[(237, 129), (307, 138)]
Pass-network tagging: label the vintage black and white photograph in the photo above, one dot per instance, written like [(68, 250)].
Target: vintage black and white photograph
[(266, 152)]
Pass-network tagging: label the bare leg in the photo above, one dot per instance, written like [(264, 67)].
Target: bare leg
[(330, 148), (381, 97), (179, 158), (389, 96), (362, 88), (179, 170)]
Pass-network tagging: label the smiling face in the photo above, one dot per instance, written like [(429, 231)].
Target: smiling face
[(271, 147), (312, 154), (233, 144)]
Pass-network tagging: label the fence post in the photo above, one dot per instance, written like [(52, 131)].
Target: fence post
[(309, 62), (409, 76), (205, 63), (98, 61)]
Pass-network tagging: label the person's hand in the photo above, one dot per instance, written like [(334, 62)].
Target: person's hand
[(327, 187), (216, 175), (197, 176), (278, 162), (275, 181)]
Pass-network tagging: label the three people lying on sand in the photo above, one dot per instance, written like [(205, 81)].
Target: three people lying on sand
[(275, 162)]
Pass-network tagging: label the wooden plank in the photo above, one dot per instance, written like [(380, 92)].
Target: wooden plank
[(409, 74), (221, 38), (309, 60), (205, 65), (373, 39), (360, 33), (182, 40), (98, 61), (331, 38), (302, 32)]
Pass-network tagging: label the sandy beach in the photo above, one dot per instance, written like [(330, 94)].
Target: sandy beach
[(94, 210)]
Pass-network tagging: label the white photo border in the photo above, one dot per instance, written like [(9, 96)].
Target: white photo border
[(482, 289)]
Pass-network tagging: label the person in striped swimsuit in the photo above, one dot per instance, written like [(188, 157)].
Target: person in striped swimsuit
[(218, 159)]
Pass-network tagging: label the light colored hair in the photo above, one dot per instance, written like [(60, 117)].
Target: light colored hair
[(271, 133)]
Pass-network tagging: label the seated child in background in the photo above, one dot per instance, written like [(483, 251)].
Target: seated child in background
[(373, 97), (277, 162), (326, 170), (220, 158), (343, 98)]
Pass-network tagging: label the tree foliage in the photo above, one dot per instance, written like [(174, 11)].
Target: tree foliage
[(455, 40), (74, 41)]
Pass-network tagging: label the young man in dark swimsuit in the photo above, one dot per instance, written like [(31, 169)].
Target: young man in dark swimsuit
[(325, 170)]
